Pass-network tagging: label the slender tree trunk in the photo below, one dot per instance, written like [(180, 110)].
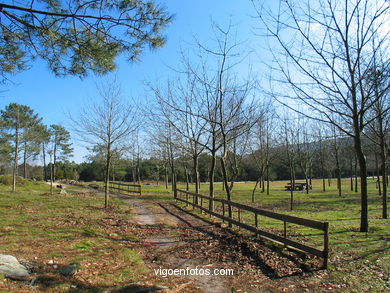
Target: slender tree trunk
[(166, 176), (138, 169), (226, 183), (195, 159), (267, 178), (54, 161), (384, 177), (107, 175), (25, 161), (356, 176), (363, 180), (307, 185), (15, 169), (51, 177), (262, 183), (351, 173), (338, 169), (51, 173), (44, 162), (211, 178), (292, 184), (254, 189), (158, 175), (378, 175), (187, 179)]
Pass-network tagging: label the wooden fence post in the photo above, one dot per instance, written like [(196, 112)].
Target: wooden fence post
[(223, 211), (326, 245), (256, 224)]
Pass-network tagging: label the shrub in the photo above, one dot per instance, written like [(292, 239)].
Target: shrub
[(7, 180)]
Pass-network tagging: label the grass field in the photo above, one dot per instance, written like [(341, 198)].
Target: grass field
[(74, 228), (360, 259), (65, 229)]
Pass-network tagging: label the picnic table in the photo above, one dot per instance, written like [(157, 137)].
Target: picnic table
[(297, 186)]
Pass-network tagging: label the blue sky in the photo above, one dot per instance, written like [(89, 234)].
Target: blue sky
[(54, 97)]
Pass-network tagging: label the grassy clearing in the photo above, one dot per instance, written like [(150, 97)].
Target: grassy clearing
[(74, 228), (64, 229), (360, 261)]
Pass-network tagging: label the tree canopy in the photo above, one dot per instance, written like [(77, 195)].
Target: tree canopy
[(76, 37)]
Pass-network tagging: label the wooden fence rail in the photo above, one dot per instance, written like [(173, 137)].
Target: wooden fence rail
[(125, 188), (196, 200)]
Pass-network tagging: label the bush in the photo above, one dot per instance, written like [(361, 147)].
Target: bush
[(7, 180)]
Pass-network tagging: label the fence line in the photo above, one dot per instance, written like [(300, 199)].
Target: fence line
[(322, 226), (125, 188)]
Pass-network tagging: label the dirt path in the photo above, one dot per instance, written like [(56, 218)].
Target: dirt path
[(174, 238), (163, 249)]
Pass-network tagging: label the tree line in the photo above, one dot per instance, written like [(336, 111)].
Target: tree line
[(24, 138)]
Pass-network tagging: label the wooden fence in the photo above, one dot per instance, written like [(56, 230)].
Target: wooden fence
[(125, 188), (196, 200)]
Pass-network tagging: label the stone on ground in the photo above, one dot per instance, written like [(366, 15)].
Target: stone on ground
[(12, 269)]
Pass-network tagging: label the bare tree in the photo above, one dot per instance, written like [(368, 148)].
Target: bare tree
[(225, 99), (107, 123), (180, 106), (212, 108), (325, 52), (289, 143), (304, 151), (262, 139), (379, 129)]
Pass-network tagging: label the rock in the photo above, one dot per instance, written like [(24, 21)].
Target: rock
[(12, 269), (50, 262), (68, 270), (63, 191)]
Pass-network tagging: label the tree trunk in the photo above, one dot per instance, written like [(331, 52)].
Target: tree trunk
[(382, 146), (351, 172), (254, 189), (211, 178), (138, 170), (51, 177), (363, 182), (384, 177), (54, 161), (195, 159), (25, 161), (166, 176), (292, 184), (356, 176), (187, 179), (107, 176), (226, 183), (262, 184), (378, 175), (267, 178), (15, 169), (44, 162), (338, 169)]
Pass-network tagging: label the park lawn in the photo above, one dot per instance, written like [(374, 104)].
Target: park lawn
[(358, 261), (64, 229)]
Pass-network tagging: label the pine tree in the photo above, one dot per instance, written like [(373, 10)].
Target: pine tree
[(16, 121)]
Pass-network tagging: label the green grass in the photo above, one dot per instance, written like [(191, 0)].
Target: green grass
[(68, 228), (351, 252)]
